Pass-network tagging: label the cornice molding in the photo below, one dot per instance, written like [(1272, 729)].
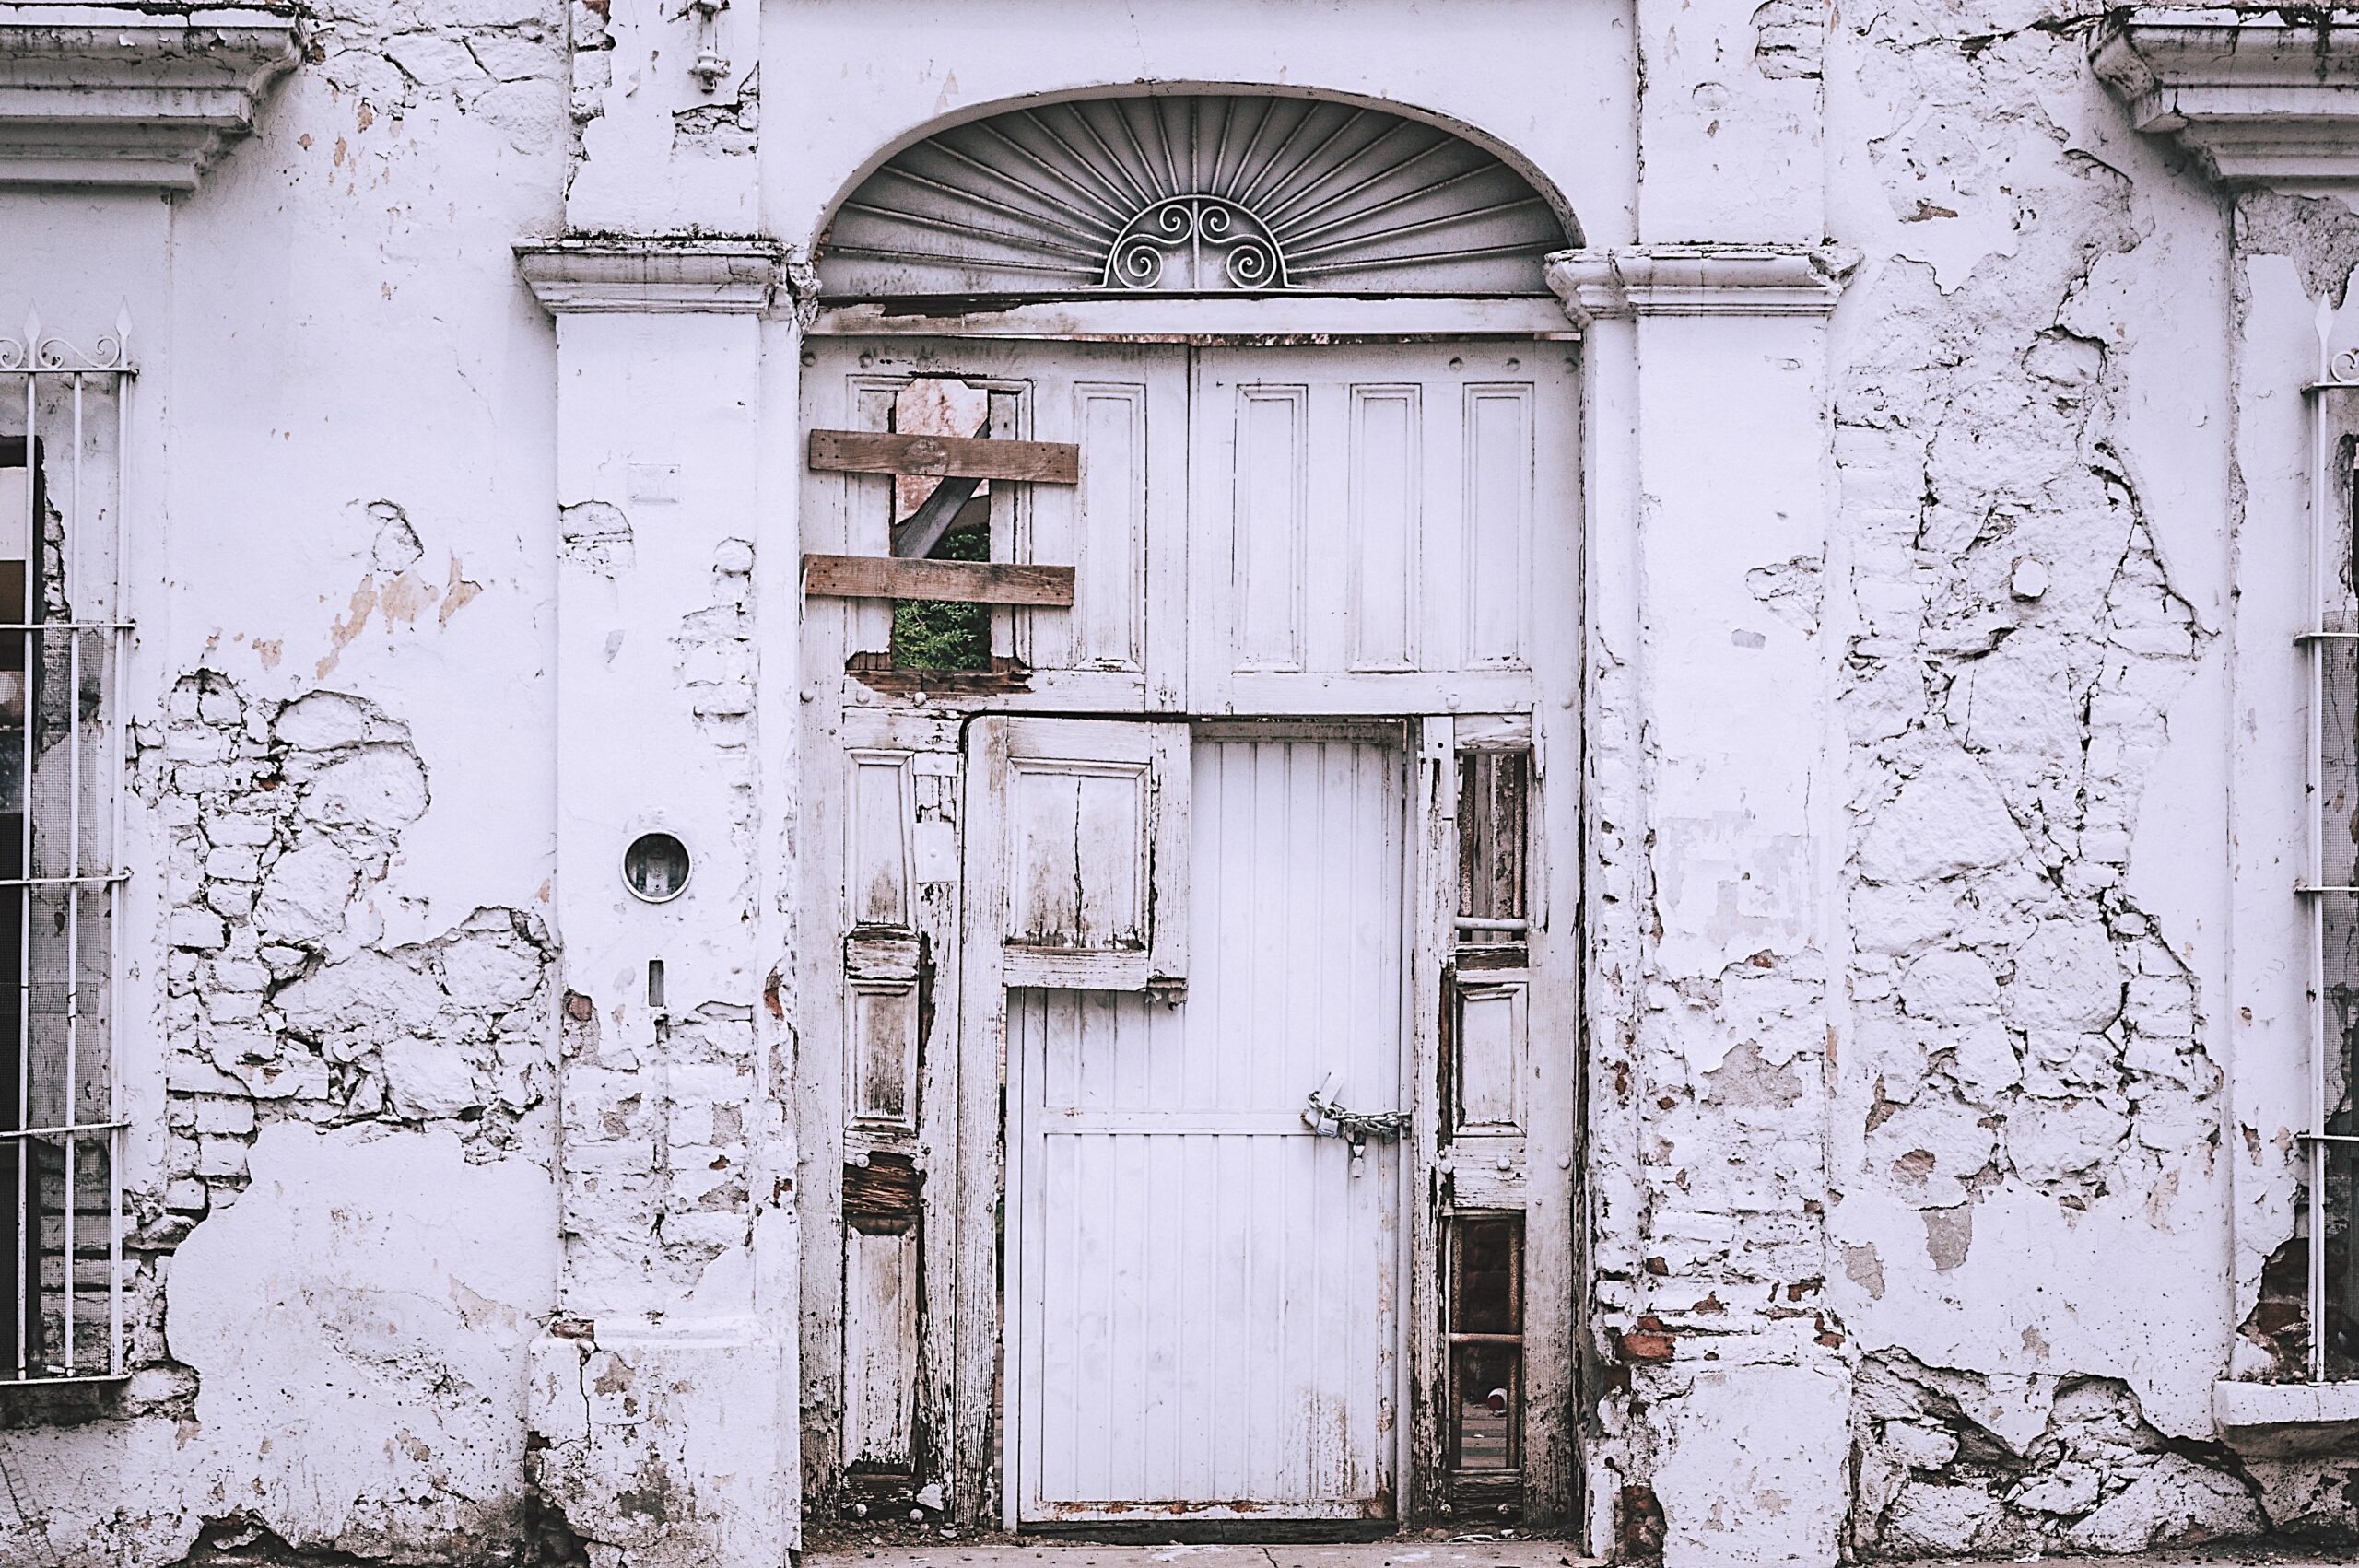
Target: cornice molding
[(654, 274), (1700, 280), (2266, 98), (133, 95)]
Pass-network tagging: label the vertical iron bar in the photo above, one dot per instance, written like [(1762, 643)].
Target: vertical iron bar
[(69, 557), (119, 645), (69, 1142), (118, 639), (73, 949), (72, 874), (2314, 778), (73, 517), (27, 1292)]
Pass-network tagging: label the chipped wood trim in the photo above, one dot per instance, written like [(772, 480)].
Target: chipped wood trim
[(1432, 887), (983, 1485)]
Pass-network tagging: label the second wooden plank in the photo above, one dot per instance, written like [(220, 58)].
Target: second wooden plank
[(970, 582)]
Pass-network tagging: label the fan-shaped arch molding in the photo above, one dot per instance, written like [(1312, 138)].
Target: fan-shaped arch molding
[(1204, 193)]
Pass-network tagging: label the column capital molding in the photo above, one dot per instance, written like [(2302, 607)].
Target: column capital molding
[(2265, 98), (654, 274), (1700, 280), (133, 96)]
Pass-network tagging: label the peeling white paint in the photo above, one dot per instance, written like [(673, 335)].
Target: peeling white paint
[(1941, 775)]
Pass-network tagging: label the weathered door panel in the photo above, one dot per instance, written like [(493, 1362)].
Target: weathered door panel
[(1122, 527), (877, 955), (1087, 822), (1367, 525), (1206, 1291)]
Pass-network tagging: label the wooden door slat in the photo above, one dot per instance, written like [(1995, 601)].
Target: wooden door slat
[(970, 582), (953, 457)]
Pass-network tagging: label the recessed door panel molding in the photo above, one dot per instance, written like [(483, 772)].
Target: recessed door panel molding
[(1087, 822), (1383, 564), (881, 1055), (1489, 1052), (880, 818), (1497, 455), (1381, 511), (880, 1348), (1107, 538), (1269, 531)]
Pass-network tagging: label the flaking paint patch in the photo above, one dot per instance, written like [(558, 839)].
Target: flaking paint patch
[(1952, 1463), (347, 626), (458, 592)]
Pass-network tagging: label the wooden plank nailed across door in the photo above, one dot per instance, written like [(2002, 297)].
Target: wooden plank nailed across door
[(952, 457), (970, 582)]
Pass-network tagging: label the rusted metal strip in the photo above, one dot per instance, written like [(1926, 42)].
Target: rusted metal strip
[(872, 451), (970, 582)]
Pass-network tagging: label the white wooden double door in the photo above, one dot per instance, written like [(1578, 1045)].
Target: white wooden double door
[(1204, 1292), (1182, 1303)]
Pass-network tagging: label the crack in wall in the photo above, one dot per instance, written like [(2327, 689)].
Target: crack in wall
[(1949, 1463), (281, 1000), (503, 62), (2024, 1033)]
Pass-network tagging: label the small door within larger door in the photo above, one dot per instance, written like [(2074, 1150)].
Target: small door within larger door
[(1204, 1287)]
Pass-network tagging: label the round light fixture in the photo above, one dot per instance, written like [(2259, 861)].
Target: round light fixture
[(655, 867)]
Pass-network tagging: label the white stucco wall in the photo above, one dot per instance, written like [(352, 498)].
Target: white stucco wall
[(1944, 1007), (341, 1161)]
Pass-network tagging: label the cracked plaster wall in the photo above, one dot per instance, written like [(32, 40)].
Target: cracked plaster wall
[(2029, 1185), (346, 1208), (2002, 1215), (341, 992), (346, 757)]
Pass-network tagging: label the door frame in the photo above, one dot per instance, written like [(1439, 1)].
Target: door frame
[(960, 1363)]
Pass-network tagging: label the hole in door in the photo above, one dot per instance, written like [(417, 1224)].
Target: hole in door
[(942, 519)]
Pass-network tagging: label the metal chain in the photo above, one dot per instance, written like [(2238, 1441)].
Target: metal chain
[(1329, 1119)]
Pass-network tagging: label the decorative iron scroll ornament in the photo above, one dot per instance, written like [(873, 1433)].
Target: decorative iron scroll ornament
[(1210, 244), (36, 353), (1190, 194)]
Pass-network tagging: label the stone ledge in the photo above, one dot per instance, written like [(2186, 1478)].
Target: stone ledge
[(1700, 280), (653, 275), (133, 96), (2261, 98), (2287, 1417)]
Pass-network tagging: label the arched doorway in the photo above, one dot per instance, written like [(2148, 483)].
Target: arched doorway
[(1190, 518), (1192, 192)]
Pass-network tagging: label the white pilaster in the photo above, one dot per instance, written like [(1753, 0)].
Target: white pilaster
[(666, 1389), (1713, 729)]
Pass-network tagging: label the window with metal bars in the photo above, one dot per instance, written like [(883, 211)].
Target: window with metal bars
[(62, 771), (1494, 842), (1485, 1337)]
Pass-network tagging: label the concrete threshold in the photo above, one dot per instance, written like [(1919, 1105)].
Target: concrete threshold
[(1405, 1553), (1434, 1552), (2224, 1555)]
